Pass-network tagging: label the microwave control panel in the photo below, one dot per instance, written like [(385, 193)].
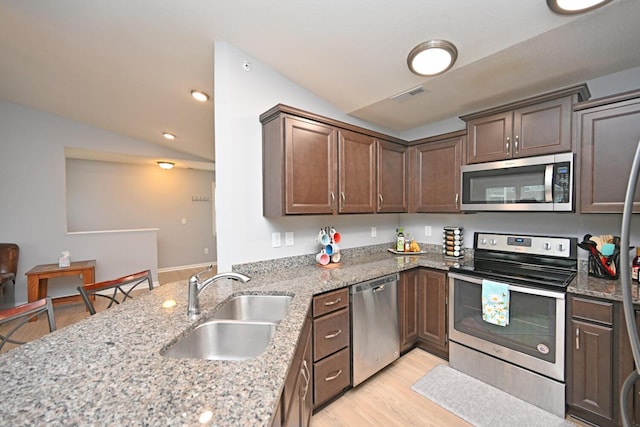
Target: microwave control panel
[(561, 182)]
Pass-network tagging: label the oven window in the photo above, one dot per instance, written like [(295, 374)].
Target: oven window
[(532, 321)]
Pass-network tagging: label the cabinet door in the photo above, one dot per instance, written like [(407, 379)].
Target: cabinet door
[(306, 390), (436, 176), (357, 166), (543, 128), (310, 167), (432, 309), (490, 138), (608, 138), (392, 177), (408, 308), (591, 369)]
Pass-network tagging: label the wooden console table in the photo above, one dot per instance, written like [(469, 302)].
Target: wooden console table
[(37, 277)]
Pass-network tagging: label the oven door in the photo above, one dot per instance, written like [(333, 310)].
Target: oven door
[(534, 337)]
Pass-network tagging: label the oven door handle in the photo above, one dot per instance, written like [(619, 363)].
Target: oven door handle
[(514, 288)]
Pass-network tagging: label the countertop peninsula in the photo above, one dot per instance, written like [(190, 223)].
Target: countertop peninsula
[(108, 369)]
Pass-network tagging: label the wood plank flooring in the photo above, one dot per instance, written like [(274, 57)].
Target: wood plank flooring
[(386, 399)]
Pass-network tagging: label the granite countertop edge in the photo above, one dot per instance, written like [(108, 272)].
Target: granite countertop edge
[(108, 368)]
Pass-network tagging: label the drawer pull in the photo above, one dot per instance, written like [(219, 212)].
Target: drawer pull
[(334, 302), (333, 335), (577, 338), (333, 377)]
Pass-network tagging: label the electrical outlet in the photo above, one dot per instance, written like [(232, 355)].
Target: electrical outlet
[(276, 240), (427, 230), (288, 238), (374, 232), (184, 220), (206, 251)]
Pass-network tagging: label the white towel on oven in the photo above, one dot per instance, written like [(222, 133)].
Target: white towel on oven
[(495, 302)]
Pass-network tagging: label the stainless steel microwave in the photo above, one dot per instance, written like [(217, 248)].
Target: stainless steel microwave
[(543, 183)]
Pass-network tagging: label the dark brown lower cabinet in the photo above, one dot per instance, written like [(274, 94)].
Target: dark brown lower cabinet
[(598, 359), (422, 307), (295, 406)]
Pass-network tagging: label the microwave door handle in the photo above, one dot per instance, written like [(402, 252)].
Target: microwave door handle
[(548, 184)]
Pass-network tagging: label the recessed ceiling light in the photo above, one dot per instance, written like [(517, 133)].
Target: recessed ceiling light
[(199, 95), (169, 136), (432, 57), (570, 7), (166, 165)]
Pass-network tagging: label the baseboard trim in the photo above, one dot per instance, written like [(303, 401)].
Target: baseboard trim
[(184, 267)]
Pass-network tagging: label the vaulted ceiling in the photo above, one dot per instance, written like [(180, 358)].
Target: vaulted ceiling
[(128, 65)]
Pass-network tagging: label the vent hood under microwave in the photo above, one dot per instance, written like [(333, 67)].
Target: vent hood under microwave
[(543, 183)]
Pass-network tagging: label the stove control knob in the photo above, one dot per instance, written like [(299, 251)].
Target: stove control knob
[(483, 241), (493, 242), (547, 246), (561, 247)]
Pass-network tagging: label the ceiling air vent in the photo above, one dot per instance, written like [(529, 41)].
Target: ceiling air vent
[(408, 94)]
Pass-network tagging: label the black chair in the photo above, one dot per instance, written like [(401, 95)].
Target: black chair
[(21, 315), (8, 264), (122, 288)]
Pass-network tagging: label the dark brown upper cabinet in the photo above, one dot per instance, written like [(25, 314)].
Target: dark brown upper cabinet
[(435, 173), (531, 127), (607, 134), (315, 165)]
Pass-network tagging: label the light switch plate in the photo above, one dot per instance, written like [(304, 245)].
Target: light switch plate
[(288, 238), (427, 230), (374, 232), (276, 241)]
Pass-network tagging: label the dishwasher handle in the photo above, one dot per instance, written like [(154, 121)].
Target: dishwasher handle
[(376, 285)]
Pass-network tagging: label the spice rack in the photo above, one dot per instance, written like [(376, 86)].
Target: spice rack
[(452, 242)]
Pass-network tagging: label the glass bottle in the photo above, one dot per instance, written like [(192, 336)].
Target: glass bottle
[(400, 240), (635, 266)]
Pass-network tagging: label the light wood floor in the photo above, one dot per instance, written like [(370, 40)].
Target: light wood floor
[(386, 399)]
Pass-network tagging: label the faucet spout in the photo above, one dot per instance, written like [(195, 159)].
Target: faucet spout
[(196, 287)]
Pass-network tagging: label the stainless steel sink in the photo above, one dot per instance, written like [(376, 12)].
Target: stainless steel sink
[(224, 340), (264, 308)]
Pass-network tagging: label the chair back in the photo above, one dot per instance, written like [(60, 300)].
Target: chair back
[(9, 258), (17, 317), (121, 289)]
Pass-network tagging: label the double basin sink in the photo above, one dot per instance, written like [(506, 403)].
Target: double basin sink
[(240, 329)]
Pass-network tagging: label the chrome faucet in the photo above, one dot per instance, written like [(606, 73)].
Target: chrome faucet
[(196, 287)]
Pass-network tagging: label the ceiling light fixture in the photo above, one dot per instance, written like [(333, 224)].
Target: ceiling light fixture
[(570, 7), (432, 57), (166, 165), (169, 136), (199, 95)]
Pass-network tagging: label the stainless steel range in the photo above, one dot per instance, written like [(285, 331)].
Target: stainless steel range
[(524, 353)]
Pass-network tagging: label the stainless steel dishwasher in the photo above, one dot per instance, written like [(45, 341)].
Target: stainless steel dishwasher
[(375, 336)]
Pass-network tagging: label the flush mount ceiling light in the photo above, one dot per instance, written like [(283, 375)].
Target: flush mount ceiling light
[(199, 95), (570, 7), (432, 57), (169, 136), (166, 165)]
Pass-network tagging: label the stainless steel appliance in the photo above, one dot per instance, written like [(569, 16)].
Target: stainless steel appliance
[(525, 358), (375, 336), (625, 279), (543, 183)]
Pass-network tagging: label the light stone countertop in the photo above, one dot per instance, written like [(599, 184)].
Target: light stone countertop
[(108, 370)]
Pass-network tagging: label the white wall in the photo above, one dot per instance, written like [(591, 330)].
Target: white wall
[(245, 235), (33, 194)]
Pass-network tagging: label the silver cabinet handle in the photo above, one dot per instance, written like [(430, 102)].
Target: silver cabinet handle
[(577, 338), (333, 335), (333, 199), (508, 144), (342, 199), (334, 302), (515, 144), (306, 374), (457, 199), (333, 377), (380, 201)]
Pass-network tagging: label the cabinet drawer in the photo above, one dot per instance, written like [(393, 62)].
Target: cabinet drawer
[(331, 376), (330, 333), (331, 301), (597, 311)]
